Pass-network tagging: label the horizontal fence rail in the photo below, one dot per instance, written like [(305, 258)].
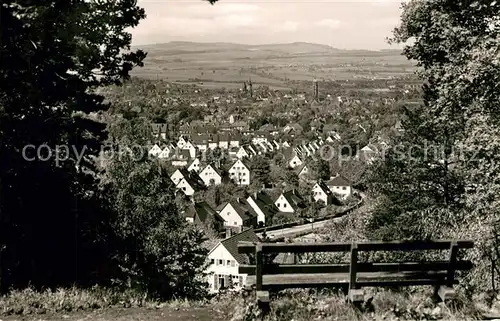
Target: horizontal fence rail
[(355, 274)]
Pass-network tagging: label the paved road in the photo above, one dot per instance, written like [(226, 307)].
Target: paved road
[(298, 229), (302, 229)]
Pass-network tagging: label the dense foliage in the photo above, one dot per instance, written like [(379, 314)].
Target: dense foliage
[(58, 225), (441, 178)]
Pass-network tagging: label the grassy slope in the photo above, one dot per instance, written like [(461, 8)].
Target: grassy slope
[(129, 314), (223, 64)]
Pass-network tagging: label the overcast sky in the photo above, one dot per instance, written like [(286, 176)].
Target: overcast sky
[(347, 24)]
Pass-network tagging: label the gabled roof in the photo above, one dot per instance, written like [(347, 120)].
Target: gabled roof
[(265, 203), (301, 168), (204, 212), (231, 244), (242, 162), (324, 188), (183, 171), (216, 170), (194, 180), (294, 199), (267, 128), (338, 181)]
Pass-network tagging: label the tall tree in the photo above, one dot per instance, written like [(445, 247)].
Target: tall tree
[(53, 55), (440, 178), (157, 251)]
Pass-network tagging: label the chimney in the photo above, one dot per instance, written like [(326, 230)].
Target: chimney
[(238, 200), (228, 232), (255, 195)]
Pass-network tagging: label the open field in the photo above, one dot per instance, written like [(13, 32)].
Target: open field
[(228, 65)]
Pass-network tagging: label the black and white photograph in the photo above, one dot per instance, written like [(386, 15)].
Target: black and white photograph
[(240, 160)]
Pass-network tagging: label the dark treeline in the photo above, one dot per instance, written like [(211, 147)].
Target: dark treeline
[(68, 222)]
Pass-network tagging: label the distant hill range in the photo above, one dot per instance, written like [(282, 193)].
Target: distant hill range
[(227, 65), (294, 48)]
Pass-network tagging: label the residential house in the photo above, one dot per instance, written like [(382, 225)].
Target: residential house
[(234, 140), (203, 214), (259, 137), (290, 202), (159, 131), (201, 142), (213, 142), (293, 129), (181, 142), (321, 192), (237, 214), (270, 129), (155, 150), (223, 141), (264, 206), (165, 153), (241, 126), (224, 262), (181, 157), (190, 184), (211, 175), (295, 161), (242, 152), (341, 186), (195, 165), (179, 174), (239, 173), (368, 153), (252, 151), (191, 148), (305, 149), (302, 171)]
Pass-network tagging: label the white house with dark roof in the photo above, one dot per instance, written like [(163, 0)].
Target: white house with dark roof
[(181, 142), (289, 202), (237, 214), (263, 206), (203, 214), (224, 261), (190, 184), (239, 173), (195, 165), (322, 193), (165, 153), (179, 174), (191, 148), (339, 185), (210, 175), (155, 150)]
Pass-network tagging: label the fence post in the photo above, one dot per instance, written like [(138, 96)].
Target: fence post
[(262, 296), (258, 266), (446, 292), (355, 294)]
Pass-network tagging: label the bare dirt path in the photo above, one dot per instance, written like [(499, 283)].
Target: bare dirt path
[(131, 314)]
